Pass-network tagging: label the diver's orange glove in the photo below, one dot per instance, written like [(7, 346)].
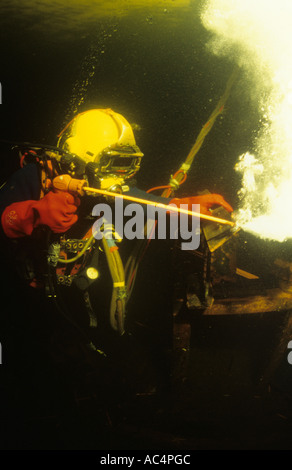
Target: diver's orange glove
[(55, 209), (206, 201)]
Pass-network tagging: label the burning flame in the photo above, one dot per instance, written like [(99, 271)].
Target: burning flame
[(258, 35)]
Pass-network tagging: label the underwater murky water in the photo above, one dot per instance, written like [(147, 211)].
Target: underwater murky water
[(149, 61), (146, 59)]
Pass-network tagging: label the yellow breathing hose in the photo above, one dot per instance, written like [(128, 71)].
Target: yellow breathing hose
[(117, 307), (204, 132)]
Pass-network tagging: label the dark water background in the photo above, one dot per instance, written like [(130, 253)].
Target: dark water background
[(152, 65)]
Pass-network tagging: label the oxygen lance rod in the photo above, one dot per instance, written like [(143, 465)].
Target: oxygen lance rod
[(66, 183), (159, 205)]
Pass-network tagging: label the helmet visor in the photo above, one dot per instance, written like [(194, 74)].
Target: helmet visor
[(122, 159)]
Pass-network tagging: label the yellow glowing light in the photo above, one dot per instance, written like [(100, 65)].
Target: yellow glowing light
[(259, 36), (92, 273)]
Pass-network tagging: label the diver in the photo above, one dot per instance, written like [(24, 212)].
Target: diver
[(97, 146), (100, 141)]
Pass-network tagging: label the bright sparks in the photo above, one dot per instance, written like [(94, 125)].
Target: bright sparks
[(258, 35)]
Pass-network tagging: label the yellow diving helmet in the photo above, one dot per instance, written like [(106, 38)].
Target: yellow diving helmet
[(105, 138)]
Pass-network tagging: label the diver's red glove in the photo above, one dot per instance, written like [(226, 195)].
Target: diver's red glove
[(55, 209), (206, 201)]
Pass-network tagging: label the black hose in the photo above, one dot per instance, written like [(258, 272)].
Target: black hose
[(34, 146)]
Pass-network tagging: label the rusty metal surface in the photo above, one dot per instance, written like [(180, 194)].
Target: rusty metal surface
[(275, 300)]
